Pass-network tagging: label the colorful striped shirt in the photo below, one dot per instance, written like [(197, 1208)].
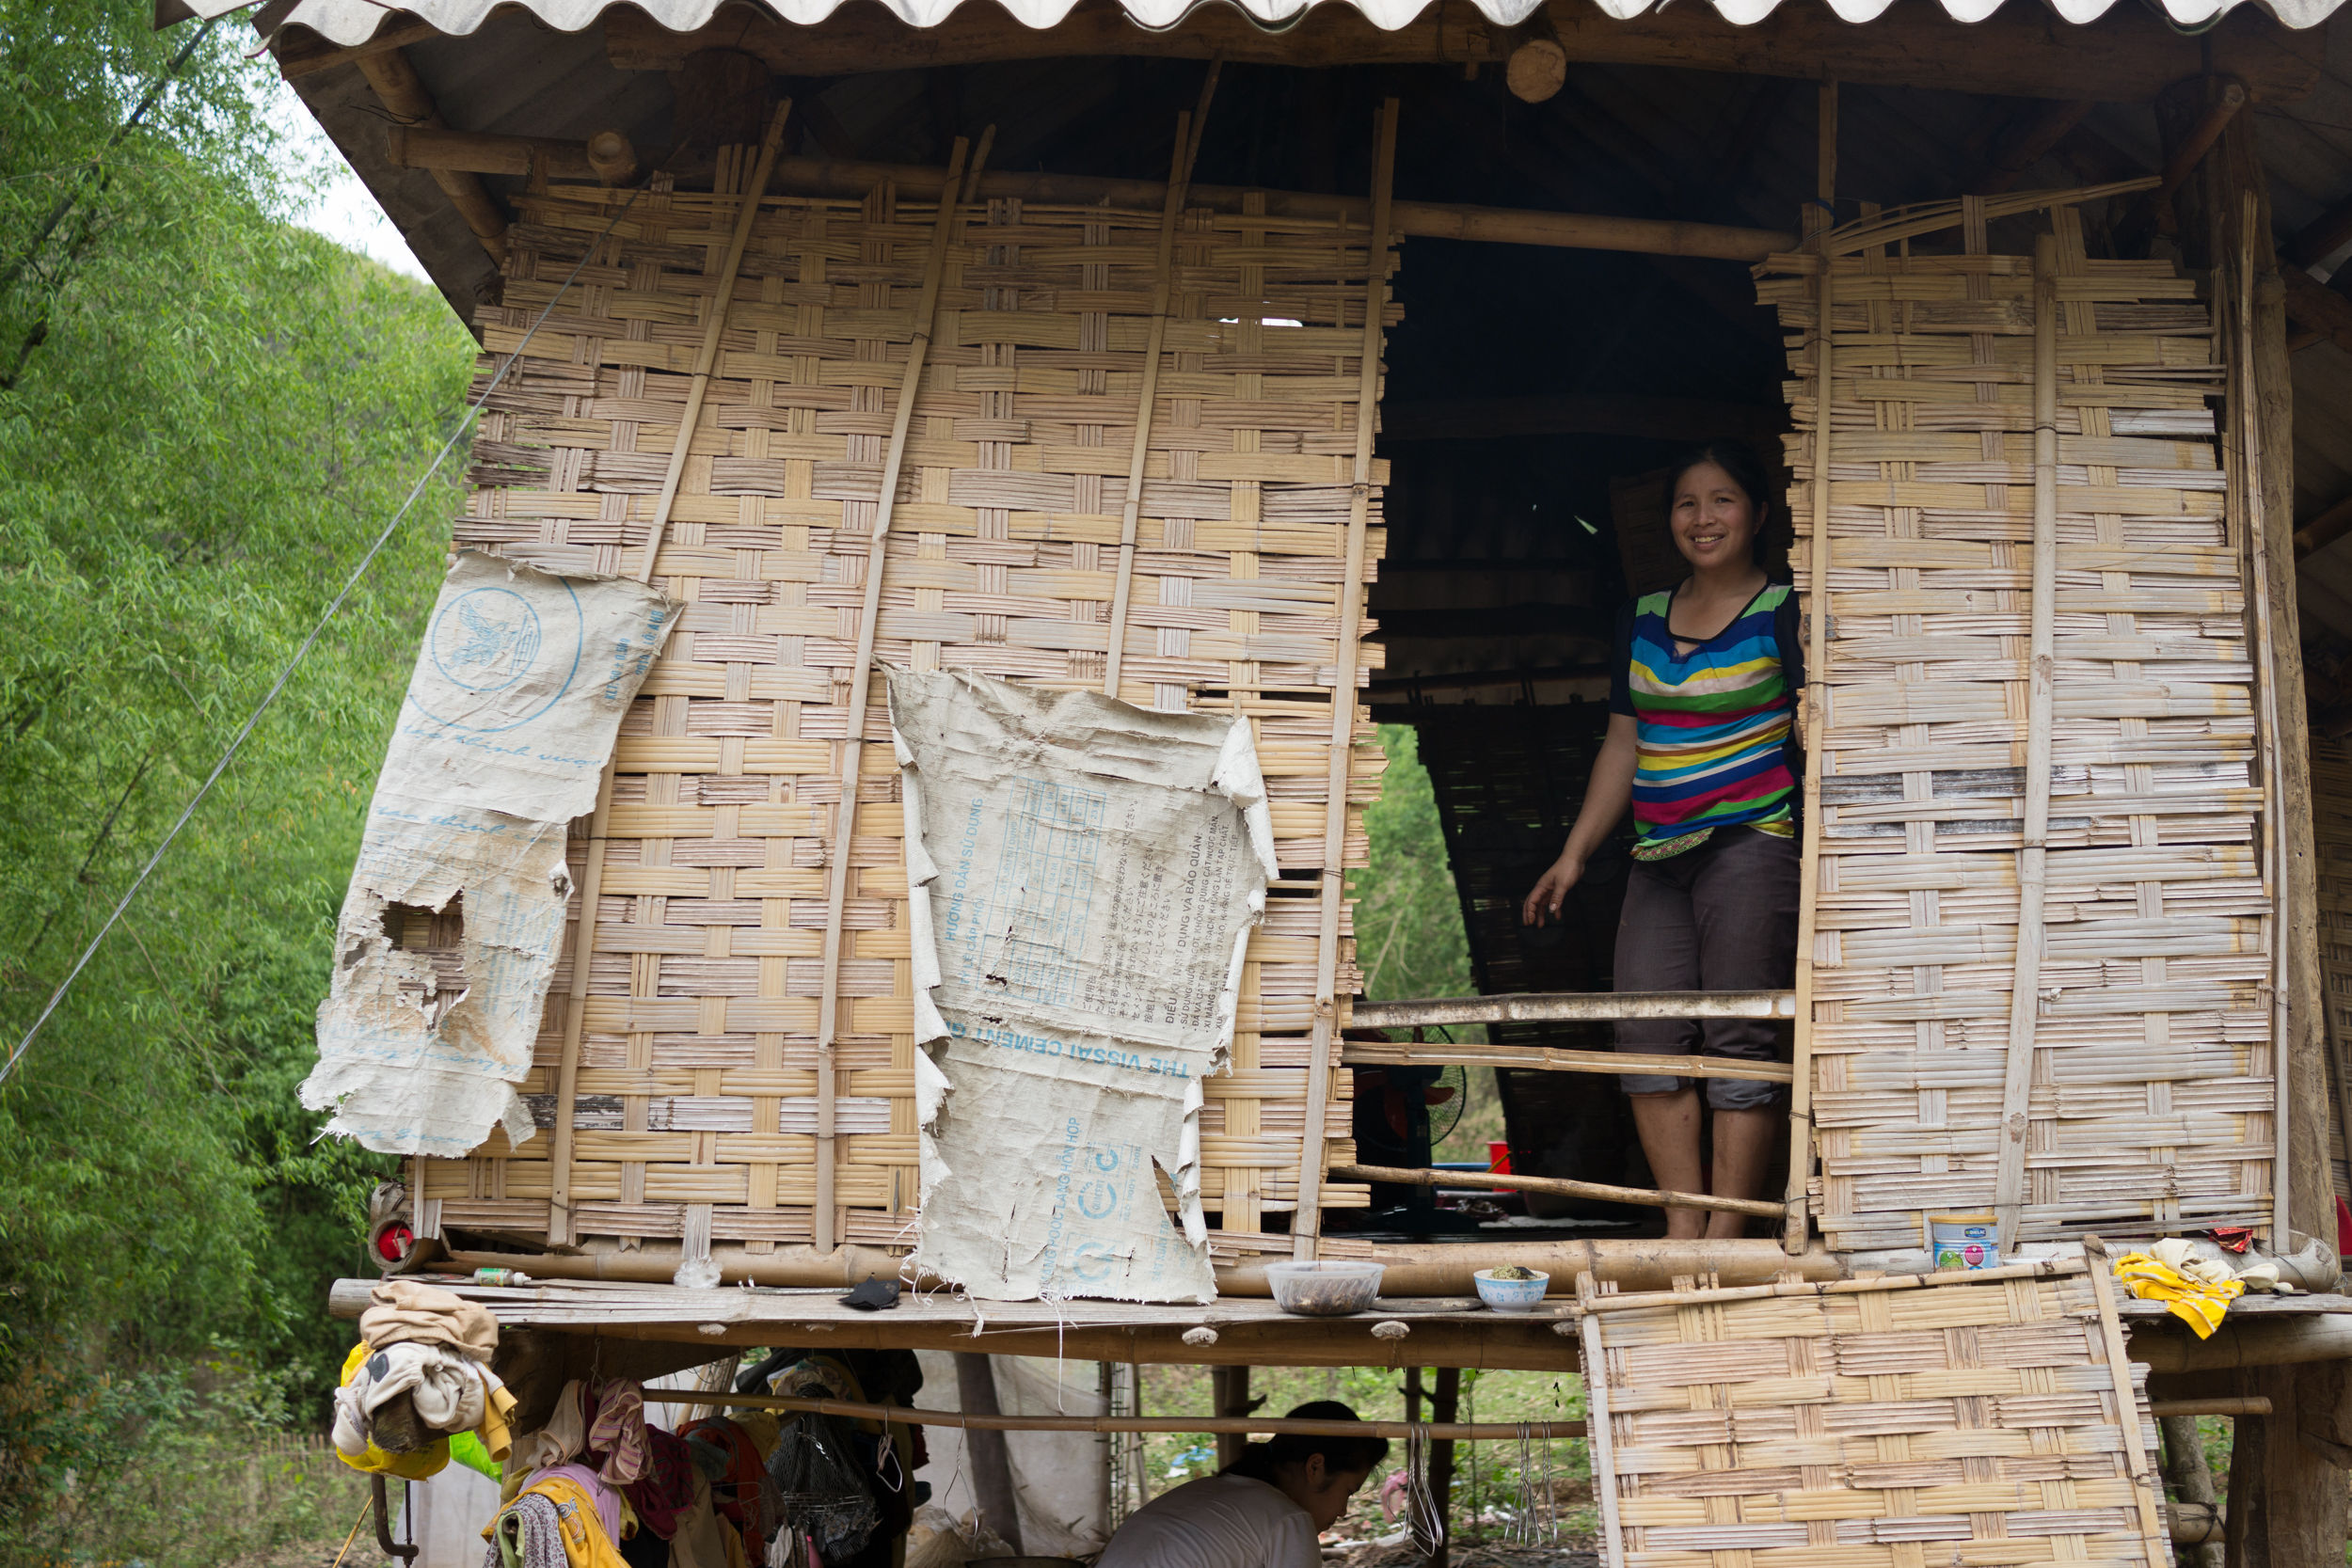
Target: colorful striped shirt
[(1714, 728)]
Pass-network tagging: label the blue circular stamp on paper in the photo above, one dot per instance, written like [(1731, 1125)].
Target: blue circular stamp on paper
[(501, 663)]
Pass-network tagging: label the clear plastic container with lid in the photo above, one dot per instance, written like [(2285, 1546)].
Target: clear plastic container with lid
[(1328, 1289)]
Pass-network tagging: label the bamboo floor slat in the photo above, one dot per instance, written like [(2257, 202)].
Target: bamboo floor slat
[(697, 1102), (2149, 1099), (1991, 1421)]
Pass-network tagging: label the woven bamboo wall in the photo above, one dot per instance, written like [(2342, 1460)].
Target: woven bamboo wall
[(697, 1087), (2152, 1101), (1984, 1422)]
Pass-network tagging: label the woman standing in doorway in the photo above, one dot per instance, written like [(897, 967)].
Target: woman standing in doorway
[(1702, 743)]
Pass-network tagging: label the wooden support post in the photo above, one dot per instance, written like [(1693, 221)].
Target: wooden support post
[(1229, 1389), (2216, 234), (1188, 128), (2009, 1186), (2185, 1466), (561, 1231), (1306, 1223), (403, 93), (992, 1462), (1818, 221), (955, 192), (1445, 1404)]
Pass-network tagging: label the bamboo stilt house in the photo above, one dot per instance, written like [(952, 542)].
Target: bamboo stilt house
[(1200, 382)]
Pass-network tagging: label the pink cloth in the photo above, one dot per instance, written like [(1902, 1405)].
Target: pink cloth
[(608, 1501), (618, 1430)]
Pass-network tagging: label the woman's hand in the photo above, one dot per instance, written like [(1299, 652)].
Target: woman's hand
[(1565, 874)]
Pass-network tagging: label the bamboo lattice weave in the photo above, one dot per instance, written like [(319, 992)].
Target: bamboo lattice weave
[(1961, 1424), (2151, 1098), (697, 1087)]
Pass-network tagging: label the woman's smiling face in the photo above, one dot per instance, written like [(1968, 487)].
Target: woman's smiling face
[(1713, 518)]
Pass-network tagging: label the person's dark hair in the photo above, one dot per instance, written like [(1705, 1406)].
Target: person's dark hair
[(1349, 1455), (1747, 471)]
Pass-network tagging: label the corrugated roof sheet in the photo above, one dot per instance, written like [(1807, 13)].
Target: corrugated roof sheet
[(348, 22)]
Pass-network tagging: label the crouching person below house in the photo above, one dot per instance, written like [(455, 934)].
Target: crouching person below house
[(1264, 1511)]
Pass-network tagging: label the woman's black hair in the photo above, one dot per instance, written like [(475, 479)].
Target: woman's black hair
[(1747, 471), (1341, 1455)]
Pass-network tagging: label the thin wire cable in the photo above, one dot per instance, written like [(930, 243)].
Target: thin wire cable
[(351, 583), (138, 116)]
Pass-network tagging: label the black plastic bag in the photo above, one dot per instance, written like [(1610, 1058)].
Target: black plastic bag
[(823, 1486)]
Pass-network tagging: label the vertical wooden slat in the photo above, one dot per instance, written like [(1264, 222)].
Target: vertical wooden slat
[(954, 193), (1817, 223), (560, 1230), (1308, 1221), (2008, 1190)]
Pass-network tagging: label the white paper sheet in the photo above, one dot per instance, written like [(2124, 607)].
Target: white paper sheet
[(511, 713), (1084, 876)]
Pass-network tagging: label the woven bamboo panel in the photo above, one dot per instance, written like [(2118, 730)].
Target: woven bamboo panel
[(697, 1089), (2331, 833), (1956, 1424), (2152, 1099)]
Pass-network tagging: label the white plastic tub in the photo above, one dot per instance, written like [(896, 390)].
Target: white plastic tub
[(1324, 1290)]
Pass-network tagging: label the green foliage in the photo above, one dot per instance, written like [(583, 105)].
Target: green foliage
[(1410, 940), (205, 417)]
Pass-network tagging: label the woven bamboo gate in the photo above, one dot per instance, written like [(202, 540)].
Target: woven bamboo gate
[(1873, 1425), (698, 1110), (2079, 764)]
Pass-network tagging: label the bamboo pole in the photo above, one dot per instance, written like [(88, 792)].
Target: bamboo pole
[(1816, 694), (2009, 1187), (2040, 1268), (1313, 1146), (1188, 128), (2154, 1533), (944, 227), (1551, 1059), (1551, 1006), (1641, 1195), (1277, 1426), (413, 148), (560, 1232)]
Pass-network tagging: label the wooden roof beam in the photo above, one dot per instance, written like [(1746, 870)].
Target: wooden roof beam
[(2129, 55), (483, 153), (403, 94)]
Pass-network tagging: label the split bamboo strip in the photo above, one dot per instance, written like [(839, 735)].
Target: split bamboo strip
[(706, 359), (1963, 1417), (944, 230), (1542, 1006), (1556, 1059), (1602, 1192), (1313, 1153), (1715, 1295), (1801, 1138), (1273, 1426), (560, 1230), (2008, 1190), (1188, 130), (2147, 1491), (1907, 223)]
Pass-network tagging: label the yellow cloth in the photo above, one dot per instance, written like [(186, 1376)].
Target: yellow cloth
[(497, 1429), (585, 1544), (2195, 1303), (428, 1461)]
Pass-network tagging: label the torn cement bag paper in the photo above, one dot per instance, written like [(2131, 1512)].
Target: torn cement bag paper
[(1084, 875), (518, 693)]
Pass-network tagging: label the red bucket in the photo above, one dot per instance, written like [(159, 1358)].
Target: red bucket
[(1499, 1159)]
